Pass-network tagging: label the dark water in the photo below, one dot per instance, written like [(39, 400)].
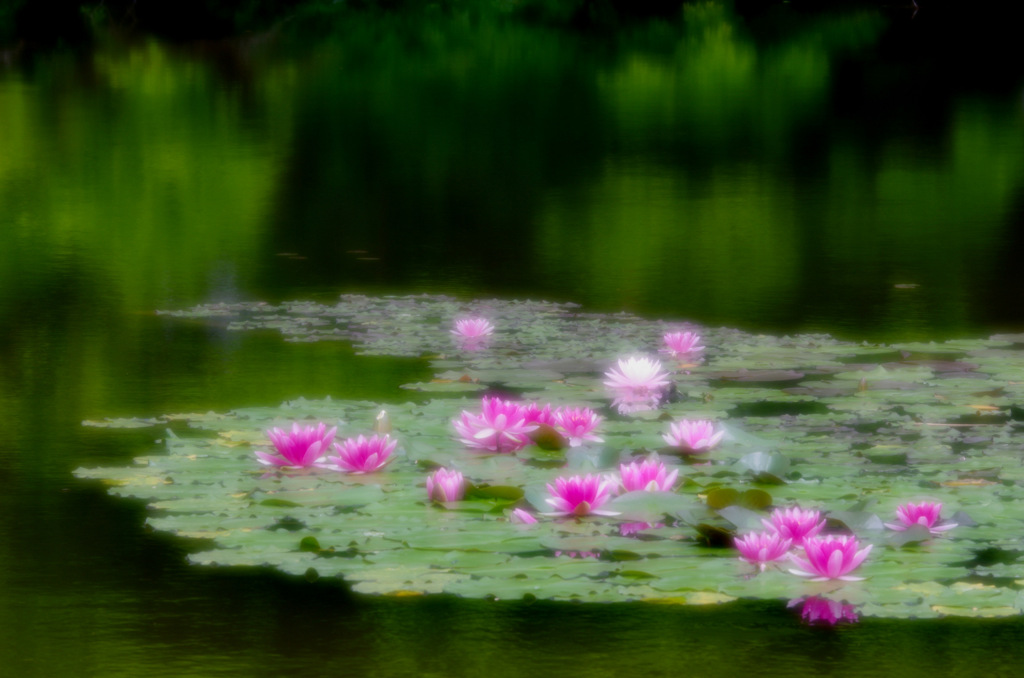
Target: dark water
[(858, 172)]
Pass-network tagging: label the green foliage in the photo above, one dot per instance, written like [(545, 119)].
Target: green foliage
[(575, 142), (897, 437)]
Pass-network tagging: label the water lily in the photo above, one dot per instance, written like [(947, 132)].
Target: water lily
[(472, 334), (500, 427), (682, 344), (693, 436), (649, 475), (363, 455), (761, 548), (535, 414), (580, 496), (522, 517), (818, 610), (299, 447), (472, 328), (444, 485), (795, 523), (831, 557), (637, 383), (629, 529), (578, 424), (925, 513)]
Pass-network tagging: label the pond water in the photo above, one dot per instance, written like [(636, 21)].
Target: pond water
[(850, 172)]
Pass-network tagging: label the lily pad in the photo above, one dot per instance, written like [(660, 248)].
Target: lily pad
[(810, 421)]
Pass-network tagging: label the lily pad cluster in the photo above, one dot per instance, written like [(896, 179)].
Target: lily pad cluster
[(852, 430)]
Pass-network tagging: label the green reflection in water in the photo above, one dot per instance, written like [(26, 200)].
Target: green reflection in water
[(135, 169), (484, 155), (713, 201)]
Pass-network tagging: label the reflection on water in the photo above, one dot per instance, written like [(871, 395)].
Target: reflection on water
[(809, 173), (696, 170)]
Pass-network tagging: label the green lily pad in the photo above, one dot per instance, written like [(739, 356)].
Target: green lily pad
[(810, 421)]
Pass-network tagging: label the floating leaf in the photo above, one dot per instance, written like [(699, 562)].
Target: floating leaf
[(722, 497), (857, 521), (816, 421), (745, 519), (771, 463), (547, 438), (915, 534), (131, 422), (506, 492), (649, 506)]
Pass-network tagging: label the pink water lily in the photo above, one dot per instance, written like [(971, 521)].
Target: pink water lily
[(472, 328), (444, 485), (761, 548), (649, 475), (637, 384), (535, 414), (629, 529), (580, 496), (818, 610), (522, 517), (500, 427), (795, 523), (693, 436), (925, 514), (831, 557), (363, 455), (302, 447), (577, 424), (682, 344)]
